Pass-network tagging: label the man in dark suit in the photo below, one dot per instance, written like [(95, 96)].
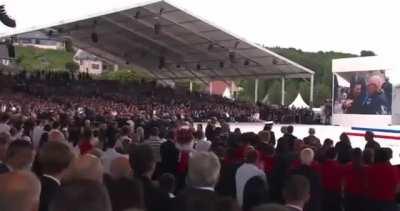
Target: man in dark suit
[(371, 143), (54, 159), (19, 156), (306, 158), (286, 142), (203, 174), (296, 192), (169, 155), (143, 161)]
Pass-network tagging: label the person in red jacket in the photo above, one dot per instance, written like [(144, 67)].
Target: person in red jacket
[(354, 182), (332, 176), (383, 182)]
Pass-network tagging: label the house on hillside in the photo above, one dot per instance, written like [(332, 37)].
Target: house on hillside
[(39, 39), (226, 89), (88, 63)]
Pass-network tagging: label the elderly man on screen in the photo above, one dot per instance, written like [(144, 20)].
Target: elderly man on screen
[(375, 102)]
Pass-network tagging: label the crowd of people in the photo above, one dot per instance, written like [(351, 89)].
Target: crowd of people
[(49, 165), (46, 92)]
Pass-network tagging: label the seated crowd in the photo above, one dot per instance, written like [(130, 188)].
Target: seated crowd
[(52, 164), (43, 92)]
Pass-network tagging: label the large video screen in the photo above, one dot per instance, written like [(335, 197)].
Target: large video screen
[(362, 92)]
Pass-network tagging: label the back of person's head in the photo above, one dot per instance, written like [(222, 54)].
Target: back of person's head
[(120, 168), (283, 130), (204, 169), (388, 152), (290, 129), (369, 135), (271, 207), (55, 157), (20, 191), (369, 156), (142, 160), (345, 138), (268, 126), (126, 194), (167, 182), (296, 190), (306, 156), (264, 136), (47, 128), (380, 155), (56, 125), (357, 156), (255, 193), (331, 153), (171, 135), (251, 157), (20, 155), (56, 135), (81, 195), (327, 143), (311, 131), (85, 167)]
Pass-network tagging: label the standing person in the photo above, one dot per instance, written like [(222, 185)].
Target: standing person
[(296, 192), (245, 172), (332, 176), (211, 129), (383, 183), (54, 159), (5, 141), (287, 140), (268, 127), (343, 149), (143, 161), (85, 144), (376, 101), (203, 175), (4, 127), (169, 154), (306, 159), (37, 132), (311, 140), (354, 183), (371, 143)]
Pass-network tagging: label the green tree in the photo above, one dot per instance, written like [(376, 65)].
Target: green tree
[(367, 53), (71, 66)]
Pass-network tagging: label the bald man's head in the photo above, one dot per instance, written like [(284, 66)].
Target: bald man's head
[(86, 167), (20, 191), (120, 168)]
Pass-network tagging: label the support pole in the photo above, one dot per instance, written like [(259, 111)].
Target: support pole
[(311, 90), (283, 91), (190, 86), (256, 90)]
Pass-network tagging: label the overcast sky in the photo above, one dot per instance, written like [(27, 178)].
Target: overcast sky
[(312, 25)]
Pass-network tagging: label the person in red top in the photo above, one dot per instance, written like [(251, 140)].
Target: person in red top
[(85, 144), (332, 176), (354, 182), (383, 182)]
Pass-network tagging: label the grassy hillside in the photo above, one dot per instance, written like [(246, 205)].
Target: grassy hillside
[(30, 58)]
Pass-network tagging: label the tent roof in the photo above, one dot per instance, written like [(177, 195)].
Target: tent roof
[(299, 102), (186, 47)]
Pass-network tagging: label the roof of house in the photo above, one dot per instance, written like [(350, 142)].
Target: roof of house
[(83, 55)]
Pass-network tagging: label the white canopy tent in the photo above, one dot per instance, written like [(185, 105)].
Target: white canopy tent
[(170, 43), (298, 102)]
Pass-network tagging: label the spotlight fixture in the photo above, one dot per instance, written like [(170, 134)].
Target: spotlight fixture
[(246, 62), (157, 28), (94, 37), (210, 46), (137, 14), (237, 44), (221, 64), (161, 63), (232, 57)]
